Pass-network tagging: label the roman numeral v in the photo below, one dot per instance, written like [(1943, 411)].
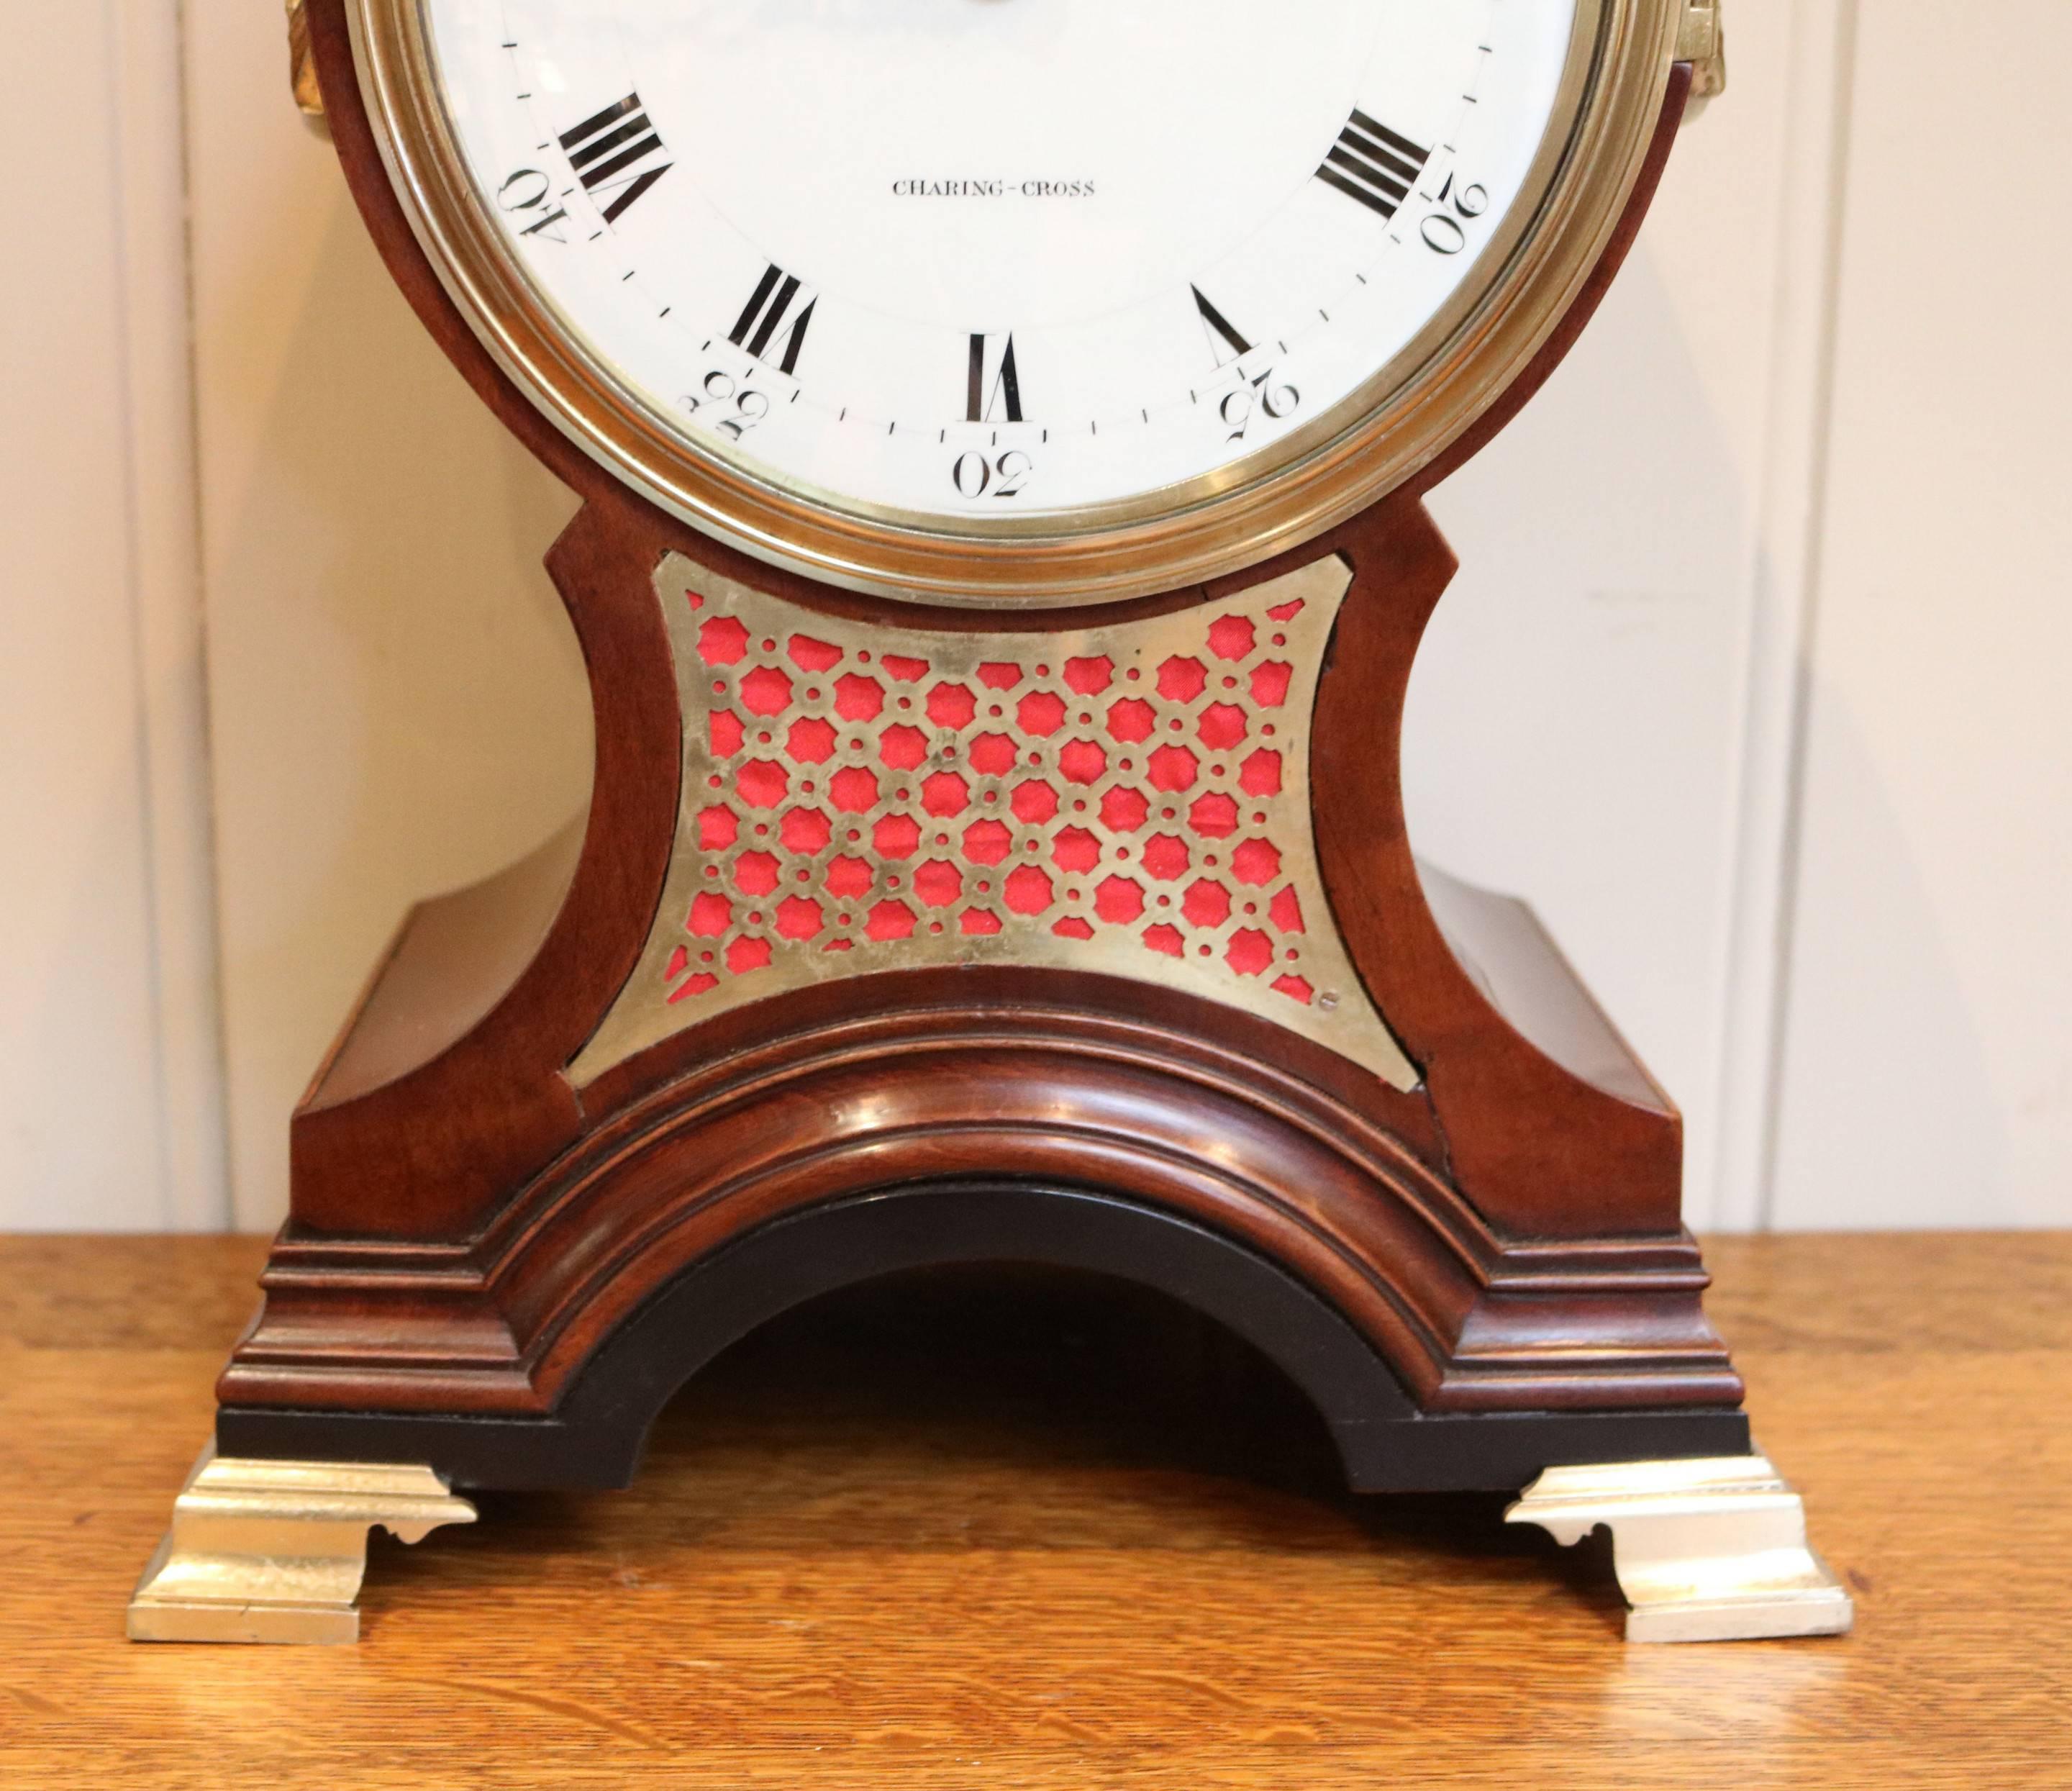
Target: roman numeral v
[(1222, 333)]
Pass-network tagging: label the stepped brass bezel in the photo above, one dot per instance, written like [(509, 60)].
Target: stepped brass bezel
[(1393, 425)]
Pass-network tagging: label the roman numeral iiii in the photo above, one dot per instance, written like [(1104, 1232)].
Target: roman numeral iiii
[(606, 150), (1373, 164)]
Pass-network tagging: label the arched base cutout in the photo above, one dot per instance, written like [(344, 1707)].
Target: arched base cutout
[(596, 1437)]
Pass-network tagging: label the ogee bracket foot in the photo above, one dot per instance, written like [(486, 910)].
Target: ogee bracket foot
[(274, 1551), (1705, 1550)]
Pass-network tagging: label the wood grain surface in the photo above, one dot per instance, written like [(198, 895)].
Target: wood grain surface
[(1024, 1531)]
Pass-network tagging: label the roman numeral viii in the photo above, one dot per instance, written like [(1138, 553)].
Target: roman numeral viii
[(606, 150), (992, 388), (774, 306), (1373, 164)]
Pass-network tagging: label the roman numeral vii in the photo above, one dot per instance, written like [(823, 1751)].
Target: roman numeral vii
[(774, 306), (1373, 164), (605, 150)]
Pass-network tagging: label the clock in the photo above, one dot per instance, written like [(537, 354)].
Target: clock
[(1000, 427), (1015, 301)]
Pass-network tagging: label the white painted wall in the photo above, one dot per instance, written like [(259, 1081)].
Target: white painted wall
[(1747, 679), (1927, 1068), (396, 699), (110, 1086)]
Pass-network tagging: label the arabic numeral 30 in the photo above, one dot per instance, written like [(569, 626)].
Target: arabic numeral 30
[(974, 476)]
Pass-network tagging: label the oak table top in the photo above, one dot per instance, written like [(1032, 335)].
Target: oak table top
[(1029, 1533)]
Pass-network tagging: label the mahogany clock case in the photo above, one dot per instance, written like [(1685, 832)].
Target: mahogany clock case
[(499, 1272)]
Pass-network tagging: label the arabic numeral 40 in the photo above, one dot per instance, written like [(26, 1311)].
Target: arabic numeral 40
[(527, 194)]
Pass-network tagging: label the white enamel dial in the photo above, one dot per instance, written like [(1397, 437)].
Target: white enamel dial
[(963, 261)]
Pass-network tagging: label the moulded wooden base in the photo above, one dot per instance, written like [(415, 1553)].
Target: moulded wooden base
[(537, 1353), (595, 1435)]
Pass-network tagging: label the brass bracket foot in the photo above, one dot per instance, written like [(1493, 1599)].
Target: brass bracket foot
[(1710, 1550), (274, 1551)]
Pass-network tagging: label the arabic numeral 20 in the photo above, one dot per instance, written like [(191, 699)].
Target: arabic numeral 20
[(1444, 230), (731, 409), (974, 476)]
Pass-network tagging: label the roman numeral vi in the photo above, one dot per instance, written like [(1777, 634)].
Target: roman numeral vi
[(992, 388), (605, 149), (1373, 164)]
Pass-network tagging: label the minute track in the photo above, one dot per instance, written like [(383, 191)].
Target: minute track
[(1096, 294)]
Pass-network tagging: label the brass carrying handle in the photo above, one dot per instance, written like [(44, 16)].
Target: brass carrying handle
[(1701, 41), (302, 65)]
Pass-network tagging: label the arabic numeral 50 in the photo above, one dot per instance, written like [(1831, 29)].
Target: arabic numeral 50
[(1443, 230), (732, 410), (974, 476)]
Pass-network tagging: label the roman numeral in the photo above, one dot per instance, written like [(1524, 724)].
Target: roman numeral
[(992, 388), (773, 305), (1221, 332), (604, 149), (1373, 164)]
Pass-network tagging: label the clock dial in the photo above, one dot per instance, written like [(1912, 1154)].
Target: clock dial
[(966, 263)]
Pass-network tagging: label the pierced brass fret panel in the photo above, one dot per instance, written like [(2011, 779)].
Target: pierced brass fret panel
[(1132, 800)]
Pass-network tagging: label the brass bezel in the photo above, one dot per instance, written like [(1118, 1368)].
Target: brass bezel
[(1396, 424)]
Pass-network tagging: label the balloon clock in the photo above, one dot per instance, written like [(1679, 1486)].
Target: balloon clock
[(1000, 430)]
